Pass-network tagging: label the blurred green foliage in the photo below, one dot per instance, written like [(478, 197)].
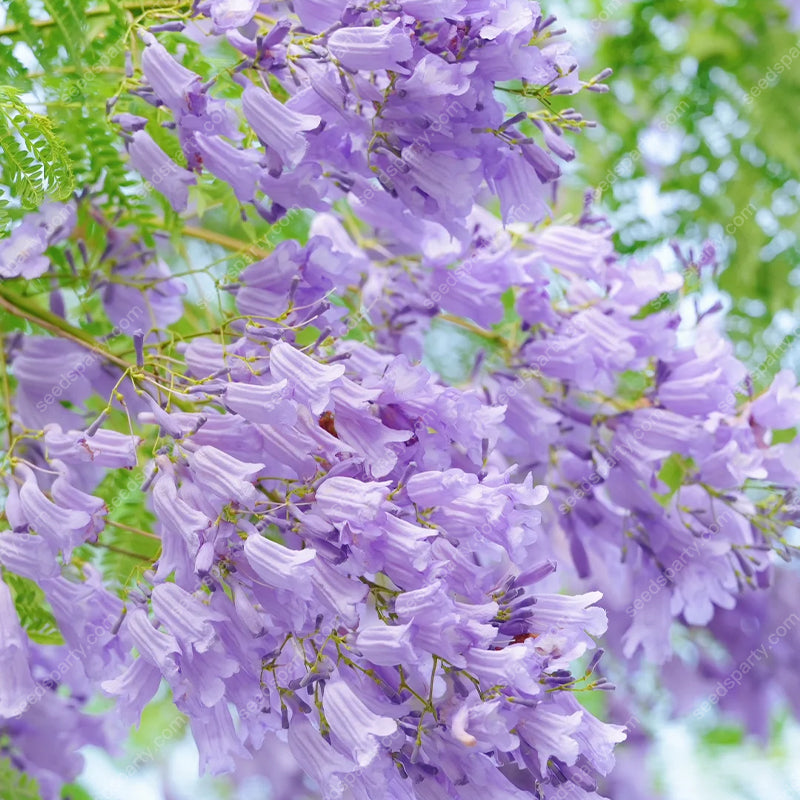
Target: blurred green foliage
[(15, 785), (698, 140)]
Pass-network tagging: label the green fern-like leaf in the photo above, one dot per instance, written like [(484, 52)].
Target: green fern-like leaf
[(35, 162), (35, 614), (21, 173), (69, 17), (125, 555), (15, 785)]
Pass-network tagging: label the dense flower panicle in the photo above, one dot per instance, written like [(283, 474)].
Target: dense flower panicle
[(357, 564), (339, 572), (356, 520), (400, 98), (605, 463)]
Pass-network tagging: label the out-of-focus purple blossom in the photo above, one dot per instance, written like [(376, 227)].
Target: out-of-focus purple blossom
[(22, 253), (159, 170)]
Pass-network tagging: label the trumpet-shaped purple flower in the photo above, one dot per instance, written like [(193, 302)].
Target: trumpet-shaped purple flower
[(354, 726), (229, 14), (158, 647), (239, 168), (22, 253), (187, 619), (373, 48), (177, 87), (160, 171), (281, 129), (310, 381), (16, 683), (278, 566), (226, 476)]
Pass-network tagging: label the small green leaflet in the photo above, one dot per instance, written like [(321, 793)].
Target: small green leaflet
[(673, 473), (35, 614), (15, 785)]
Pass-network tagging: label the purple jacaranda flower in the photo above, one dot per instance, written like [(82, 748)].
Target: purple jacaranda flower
[(130, 122), (552, 733), (318, 15), (45, 741), (699, 379), (294, 449), (478, 724), (186, 618), (228, 14), (365, 432), (219, 119), (597, 739), (177, 517), (386, 645), (660, 431), (134, 688), (554, 139), (266, 403), (520, 191), (433, 76), (239, 168), (432, 9), (399, 549), (282, 130), (159, 170), (176, 423), (468, 296), (343, 595), (226, 476), (267, 283), (278, 566), (178, 88), (89, 632), (106, 448), (779, 406), (16, 683), (62, 528), (651, 624), (341, 499), (437, 183), (579, 251), (139, 288), (22, 253), (440, 626), (204, 675), (248, 611), (216, 737), (318, 758), (28, 555), (570, 621), (301, 188), (355, 728), (731, 466), (516, 665), (156, 646), (373, 48), (65, 494), (310, 381)]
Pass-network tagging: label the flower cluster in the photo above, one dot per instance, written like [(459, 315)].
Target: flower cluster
[(357, 560), (338, 562), (400, 98)]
